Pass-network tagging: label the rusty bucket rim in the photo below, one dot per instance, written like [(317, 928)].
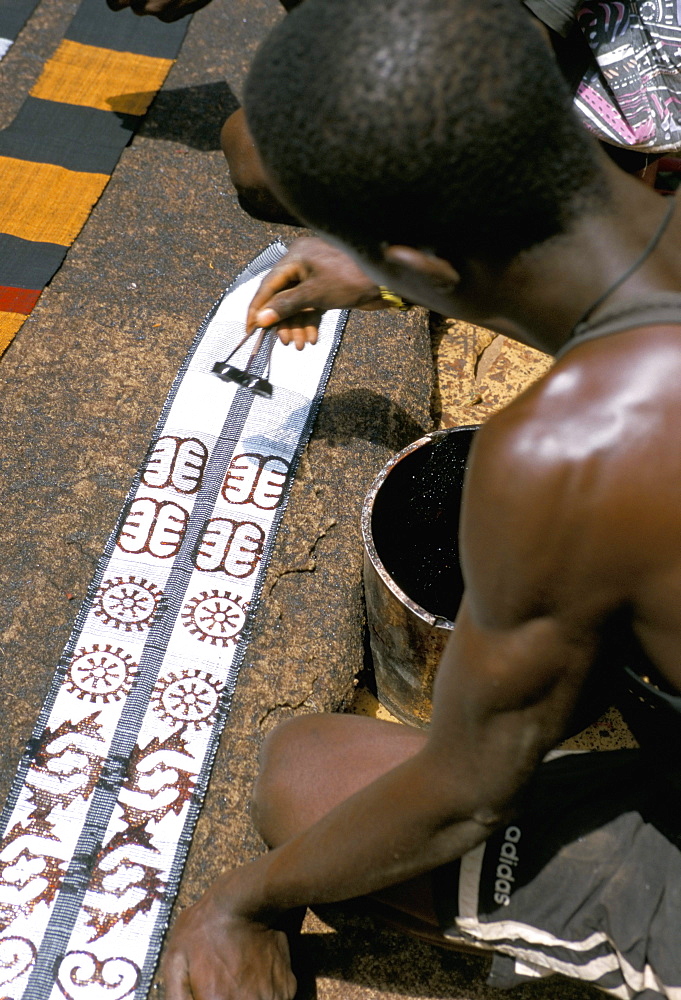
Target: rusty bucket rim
[(437, 621)]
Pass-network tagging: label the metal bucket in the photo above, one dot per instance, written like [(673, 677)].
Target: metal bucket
[(412, 578)]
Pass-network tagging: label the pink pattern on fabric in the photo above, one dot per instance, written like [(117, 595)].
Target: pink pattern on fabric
[(630, 94)]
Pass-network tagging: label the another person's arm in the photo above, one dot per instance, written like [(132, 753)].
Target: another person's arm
[(505, 690), (173, 10), (164, 10)]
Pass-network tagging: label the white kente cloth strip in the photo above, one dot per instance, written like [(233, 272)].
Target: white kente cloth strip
[(100, 817)]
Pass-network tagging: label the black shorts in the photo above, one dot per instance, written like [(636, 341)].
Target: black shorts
[(586, 882)]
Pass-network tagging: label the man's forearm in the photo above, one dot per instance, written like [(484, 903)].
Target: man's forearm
[(385, 834)]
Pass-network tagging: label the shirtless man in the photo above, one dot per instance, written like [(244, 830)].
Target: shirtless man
[(571, 522)]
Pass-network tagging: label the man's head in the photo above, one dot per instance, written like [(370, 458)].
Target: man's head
[(438, 124)]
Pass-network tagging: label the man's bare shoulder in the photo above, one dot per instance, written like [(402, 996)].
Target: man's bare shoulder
[(580, 477), (602, 404)]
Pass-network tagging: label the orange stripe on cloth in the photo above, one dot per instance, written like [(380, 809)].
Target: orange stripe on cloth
[(101, 78), (45, 203), (18, 300), (10, 324)]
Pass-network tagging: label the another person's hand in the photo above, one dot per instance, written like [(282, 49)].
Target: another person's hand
[(164, 10), (212, 953), (312, 277)]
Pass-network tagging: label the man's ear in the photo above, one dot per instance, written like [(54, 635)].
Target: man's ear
[(418, 268)]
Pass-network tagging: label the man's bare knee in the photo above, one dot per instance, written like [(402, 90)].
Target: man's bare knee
[(311, 764), (277, 794)]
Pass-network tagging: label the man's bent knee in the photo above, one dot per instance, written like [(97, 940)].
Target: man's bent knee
[(278, 793), (312, 763)]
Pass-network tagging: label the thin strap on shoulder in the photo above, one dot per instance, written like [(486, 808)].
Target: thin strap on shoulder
[(657, 236), (656, 309)]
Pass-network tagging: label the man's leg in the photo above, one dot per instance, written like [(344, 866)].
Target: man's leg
[(592, 886), (312, 763)]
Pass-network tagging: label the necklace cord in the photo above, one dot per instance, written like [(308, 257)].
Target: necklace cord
[(657, 236)]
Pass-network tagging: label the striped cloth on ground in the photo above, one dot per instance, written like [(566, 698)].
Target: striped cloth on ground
[(57, 155)]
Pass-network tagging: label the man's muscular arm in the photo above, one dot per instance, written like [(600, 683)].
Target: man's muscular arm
[(505, 690)]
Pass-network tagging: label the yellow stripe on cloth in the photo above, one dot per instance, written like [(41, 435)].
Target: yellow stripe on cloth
[(45, 203), (93, 77), (10, 324)]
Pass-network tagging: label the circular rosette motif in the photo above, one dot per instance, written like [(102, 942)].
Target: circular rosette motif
[(216, 617), (129, 604), (191, 698), (651, 10), (101, 674)]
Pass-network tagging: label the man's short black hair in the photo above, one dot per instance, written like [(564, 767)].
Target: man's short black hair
[(440, 124)]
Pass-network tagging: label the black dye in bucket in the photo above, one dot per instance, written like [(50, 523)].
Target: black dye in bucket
[(415, 522)]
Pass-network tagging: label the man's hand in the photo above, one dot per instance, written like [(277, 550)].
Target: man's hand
[(311, 278), (213, 954), (164, 10)]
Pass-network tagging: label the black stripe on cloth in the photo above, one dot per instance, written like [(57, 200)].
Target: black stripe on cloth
[(68, 135), (13, 16), (24, 264), (123, 31)]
